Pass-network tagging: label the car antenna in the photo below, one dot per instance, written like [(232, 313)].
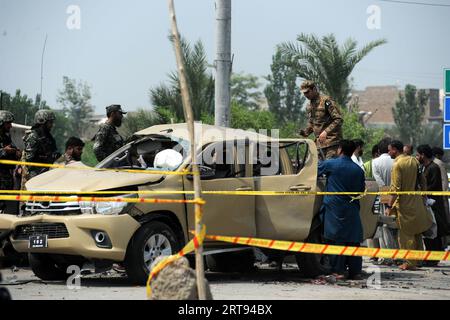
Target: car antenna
[(167, 130)]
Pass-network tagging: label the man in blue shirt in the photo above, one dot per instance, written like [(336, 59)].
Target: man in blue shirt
[(340, 215)]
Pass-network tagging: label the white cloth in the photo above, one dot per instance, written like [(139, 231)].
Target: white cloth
[(168, 159), (359, 161), (382, 168)]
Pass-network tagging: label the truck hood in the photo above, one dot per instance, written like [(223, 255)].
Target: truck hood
[(82, 180)]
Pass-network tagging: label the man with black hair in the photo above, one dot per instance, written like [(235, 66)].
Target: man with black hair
[(408, 149), (438, 154), (410, 211), (107, 139), (357, 154), (382, 168), (434, 183), (340, 215), (74, 150)]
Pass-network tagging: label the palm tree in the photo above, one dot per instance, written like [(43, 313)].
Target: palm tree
[(326, 63), (200, 83)]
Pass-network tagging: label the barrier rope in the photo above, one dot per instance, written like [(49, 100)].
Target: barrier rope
[(303, 247), (236, 193), (69, 167)]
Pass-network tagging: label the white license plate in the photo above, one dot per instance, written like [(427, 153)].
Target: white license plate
[(38, 241)]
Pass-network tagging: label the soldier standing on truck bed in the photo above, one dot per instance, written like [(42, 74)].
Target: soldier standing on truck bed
[(107, 139), (40, 146), (325, 120)]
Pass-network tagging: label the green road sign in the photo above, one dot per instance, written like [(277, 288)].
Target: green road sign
[(447, 81)]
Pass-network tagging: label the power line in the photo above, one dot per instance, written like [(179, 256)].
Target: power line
[(417, 3)]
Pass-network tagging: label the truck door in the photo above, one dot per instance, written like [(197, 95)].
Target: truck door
[(286, 217), (229, 215)]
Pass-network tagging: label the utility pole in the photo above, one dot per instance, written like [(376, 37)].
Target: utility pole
[(223, 63), (42, 71)]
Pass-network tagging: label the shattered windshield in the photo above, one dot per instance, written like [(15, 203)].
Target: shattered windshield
[(150, 153)]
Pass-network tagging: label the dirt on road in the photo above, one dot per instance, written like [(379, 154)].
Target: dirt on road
[(380, 283)]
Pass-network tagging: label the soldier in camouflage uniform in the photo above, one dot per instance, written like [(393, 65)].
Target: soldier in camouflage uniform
[(107, 140), (40, 146), (7, 152), (325, 121)]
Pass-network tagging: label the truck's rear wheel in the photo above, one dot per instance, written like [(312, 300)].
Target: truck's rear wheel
[(45, 267), (310, 264), (236, 261), (152, 240)]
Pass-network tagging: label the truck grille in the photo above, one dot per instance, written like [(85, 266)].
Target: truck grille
[(52, 208), (52, 230)]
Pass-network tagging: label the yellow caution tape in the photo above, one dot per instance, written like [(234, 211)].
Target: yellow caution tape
[(302, 247), (95, 199), (191, 246), (60, 166), (237, 193)]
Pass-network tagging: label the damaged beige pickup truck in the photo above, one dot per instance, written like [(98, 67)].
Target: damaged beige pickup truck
[(59, 234)]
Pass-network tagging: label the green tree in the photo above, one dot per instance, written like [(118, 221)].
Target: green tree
[(138, 120), (243, 118), (22, 106), (282, 94), (431, 134), (59, 131), (245, 90), (200, 84), (326, 63), (408, 114), (352, 128), (75, 97)]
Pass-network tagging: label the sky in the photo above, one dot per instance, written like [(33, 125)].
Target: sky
[(121, 48)]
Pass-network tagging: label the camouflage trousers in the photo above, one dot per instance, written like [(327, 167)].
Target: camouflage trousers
[(6, 183), (328, 152)]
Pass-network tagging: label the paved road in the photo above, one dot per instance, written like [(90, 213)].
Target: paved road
[(265, 283)]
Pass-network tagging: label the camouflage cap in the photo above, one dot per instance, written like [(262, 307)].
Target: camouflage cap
[(42, 116), (306, 85), (114, 107), (6, 116)]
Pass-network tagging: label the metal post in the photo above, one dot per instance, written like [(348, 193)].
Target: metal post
[(223, 63)]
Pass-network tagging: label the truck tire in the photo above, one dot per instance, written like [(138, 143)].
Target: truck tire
[(237, 261), (45, 268), (312, 265), (152, 240)]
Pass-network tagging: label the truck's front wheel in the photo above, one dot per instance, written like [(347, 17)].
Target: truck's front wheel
[(152, 240)]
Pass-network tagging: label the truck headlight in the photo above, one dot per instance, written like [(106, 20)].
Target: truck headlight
[(110, 208), (106, 208)]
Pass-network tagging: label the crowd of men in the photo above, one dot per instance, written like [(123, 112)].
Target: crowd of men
[(40, 147), (420, 222)]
